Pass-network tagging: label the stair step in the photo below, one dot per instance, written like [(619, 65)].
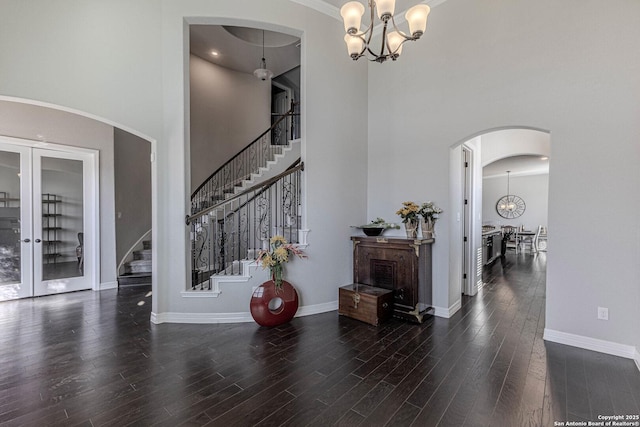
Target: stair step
[(139, 266), (134, 279), (144, 254)]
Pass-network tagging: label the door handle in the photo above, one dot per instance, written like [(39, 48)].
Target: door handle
[(38, 240), (26, 240)]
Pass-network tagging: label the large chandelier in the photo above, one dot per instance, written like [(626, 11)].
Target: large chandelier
[(359, 42)]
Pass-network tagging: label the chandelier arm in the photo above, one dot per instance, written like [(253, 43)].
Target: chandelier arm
[(366, 48), (384, 41), (394, 55), (369, 30), (402, 33)]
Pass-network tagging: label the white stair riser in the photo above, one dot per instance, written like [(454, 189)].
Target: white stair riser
[(139, 266), (132, 269), (142, 255)]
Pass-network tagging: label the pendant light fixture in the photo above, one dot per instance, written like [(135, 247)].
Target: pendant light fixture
[(263, 73), (510, 206)]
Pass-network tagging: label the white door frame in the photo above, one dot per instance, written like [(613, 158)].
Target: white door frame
[(24, 288), (91, 196)]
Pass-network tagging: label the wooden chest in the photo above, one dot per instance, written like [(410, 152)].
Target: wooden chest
[(366, 303)]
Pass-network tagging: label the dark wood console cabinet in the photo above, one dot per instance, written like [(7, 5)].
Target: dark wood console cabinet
[(399, 264)]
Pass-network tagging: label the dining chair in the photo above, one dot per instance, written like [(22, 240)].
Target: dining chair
[(541, 239), (530, 241), (513, 237)]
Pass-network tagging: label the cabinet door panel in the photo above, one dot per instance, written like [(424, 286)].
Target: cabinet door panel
[(389, 267)]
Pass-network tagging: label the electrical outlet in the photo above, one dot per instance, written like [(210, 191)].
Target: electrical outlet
[(603, 313)]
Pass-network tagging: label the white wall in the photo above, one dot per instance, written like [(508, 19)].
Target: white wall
[(132, 180), (103, 58), (28, 121), (482, 66), (229, 109), (127, 62), (533, 189)]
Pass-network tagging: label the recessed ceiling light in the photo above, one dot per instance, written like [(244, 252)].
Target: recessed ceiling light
[(215, 53), (544, 158)]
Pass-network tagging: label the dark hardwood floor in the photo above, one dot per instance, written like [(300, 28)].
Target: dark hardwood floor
[(94, 359)]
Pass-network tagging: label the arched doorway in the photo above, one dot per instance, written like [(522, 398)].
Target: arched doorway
[(58, 129), (467, 160)]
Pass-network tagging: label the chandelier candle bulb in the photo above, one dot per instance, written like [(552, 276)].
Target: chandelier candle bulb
[(355, 45), (385, 9), (352, 13), (417, 19), (394, 43)]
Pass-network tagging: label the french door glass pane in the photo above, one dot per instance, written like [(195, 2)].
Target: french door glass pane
[(62, 218), (10, 271)]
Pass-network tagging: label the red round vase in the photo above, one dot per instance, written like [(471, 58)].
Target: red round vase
[(283, 301)]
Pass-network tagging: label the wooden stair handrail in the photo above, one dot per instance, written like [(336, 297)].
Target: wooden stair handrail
[(261, 185)]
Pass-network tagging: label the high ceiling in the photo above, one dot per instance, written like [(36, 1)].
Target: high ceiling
[(240, 48), (517, 165)]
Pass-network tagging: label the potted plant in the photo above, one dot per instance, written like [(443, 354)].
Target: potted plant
[(430, 214), (410, 218), (275, 302), (376, 227)]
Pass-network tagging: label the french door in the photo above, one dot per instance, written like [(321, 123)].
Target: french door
[(48, 229)]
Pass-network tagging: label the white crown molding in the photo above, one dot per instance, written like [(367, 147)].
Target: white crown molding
[(594, 344), (334, 12), (321, 6)]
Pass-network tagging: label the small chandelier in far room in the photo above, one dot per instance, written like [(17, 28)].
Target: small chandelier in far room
[(510, 206), (263, 73), (358, 42)]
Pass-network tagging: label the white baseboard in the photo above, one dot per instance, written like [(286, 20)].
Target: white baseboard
[(308, 310), (241, 317), (200, 294), (447, 312), (108, 285), (201, 318), (594, 344)]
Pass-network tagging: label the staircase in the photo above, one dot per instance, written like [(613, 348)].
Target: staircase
[(252, 197), (138, 271)]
